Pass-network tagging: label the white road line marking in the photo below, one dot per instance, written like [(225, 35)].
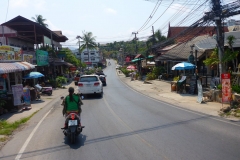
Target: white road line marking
[(19, 155)]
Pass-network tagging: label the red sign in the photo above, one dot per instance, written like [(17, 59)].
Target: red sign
[(225, 76), (72, 68), (226, 87), (88, 62)]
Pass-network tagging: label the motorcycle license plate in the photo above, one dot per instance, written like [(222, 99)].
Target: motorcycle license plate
[(72, 123)]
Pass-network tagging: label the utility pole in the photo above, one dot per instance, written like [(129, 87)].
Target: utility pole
[(135, 40), (153, 39), (217, 9), (139, 62)]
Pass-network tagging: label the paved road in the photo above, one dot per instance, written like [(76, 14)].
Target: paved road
[(127, 125)]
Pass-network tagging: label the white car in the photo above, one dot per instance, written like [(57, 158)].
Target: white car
[(90, 84), (118, 66)]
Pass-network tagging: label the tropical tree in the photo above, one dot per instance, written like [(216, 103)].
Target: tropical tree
[(89, 42), (40, 20)]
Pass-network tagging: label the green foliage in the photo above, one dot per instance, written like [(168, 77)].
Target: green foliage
[(213, 59), (61, 80), (71, 58), (125, 71), (219, 87), (2, 102), (158, 70), (90, 71), (151, 76), (7, 128), (236, 88), (176, 78)]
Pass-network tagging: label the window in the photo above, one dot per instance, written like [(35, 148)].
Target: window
[(92, 53), (85, 53), (89, 79)]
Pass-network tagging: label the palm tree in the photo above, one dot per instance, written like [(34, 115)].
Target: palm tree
[(40, 20), (89, 42)]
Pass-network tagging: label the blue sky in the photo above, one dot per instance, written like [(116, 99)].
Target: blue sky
[(108, 20)]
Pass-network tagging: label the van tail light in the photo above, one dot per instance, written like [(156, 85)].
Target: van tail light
[(96, 83), (72, 116), (80, 84)]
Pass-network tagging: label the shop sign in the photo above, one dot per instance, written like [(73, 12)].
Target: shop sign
[(72, 68), (28, 58), (9, 53), (61, 54), (226, 87), (17, 91), (42, 58), (26, 96)]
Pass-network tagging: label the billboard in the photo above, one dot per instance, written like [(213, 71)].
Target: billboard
[(42, 58), (9, 53), (28, 58)]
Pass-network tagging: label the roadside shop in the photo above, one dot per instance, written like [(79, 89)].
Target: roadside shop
[(12, 70)]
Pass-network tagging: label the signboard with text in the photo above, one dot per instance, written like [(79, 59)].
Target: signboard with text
[(226, 87), (42, 58), (17, 91), (9, 53), (26, 96), (28, 58)]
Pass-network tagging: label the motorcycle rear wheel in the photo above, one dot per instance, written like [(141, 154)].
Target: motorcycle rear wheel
[(73, 138)]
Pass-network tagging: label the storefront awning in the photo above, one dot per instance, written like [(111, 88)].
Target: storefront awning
[(15, 67)]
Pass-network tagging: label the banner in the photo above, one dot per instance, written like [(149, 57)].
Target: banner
[(27, 96), (28, 58), (17, 91), (42, 58), (226, 87), (9, 53)]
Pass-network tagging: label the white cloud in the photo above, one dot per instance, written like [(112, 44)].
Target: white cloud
[(36, 4), (110, 10), (19, 4)]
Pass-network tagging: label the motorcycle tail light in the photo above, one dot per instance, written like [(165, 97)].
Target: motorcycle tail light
[(80, 84), (96, 83), (72, 116)]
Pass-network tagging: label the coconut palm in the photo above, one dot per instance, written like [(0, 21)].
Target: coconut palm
[(40, 20), (89, 42)]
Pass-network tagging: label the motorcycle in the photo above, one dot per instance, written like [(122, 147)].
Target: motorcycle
[(43, 90), (72, 128)]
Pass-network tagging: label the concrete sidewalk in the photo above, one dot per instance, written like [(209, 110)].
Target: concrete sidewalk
[(161, 90), (36, 105)]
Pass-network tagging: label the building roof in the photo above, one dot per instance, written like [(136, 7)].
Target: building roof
[(181, 52), (26, 29)]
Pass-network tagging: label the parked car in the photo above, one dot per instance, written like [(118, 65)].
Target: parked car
[(103, 79), (90, 84)]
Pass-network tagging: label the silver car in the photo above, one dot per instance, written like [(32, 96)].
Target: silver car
[(90, 84)]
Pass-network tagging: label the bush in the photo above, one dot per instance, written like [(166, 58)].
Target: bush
[(61, 80), (236, 88), (158, 70), (219, 87), (151, 76), (125, 71)]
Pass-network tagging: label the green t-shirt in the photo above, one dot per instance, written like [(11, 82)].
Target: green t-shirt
[(72, 105)]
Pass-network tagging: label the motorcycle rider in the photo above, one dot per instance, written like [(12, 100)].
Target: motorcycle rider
[(72, 103)]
